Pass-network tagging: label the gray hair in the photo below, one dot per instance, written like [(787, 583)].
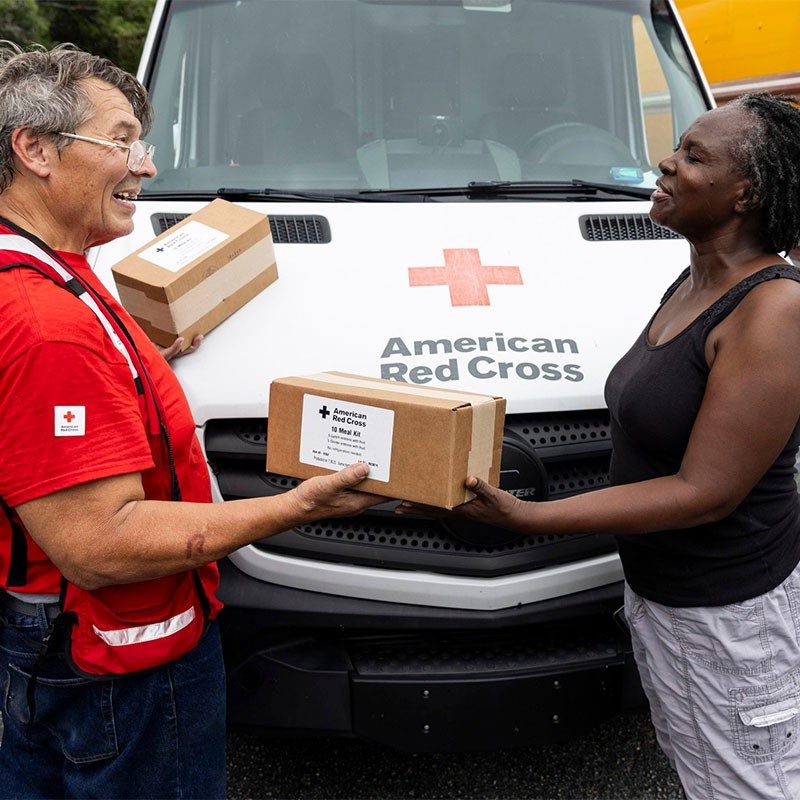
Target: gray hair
[(768, 153), (41, 89)]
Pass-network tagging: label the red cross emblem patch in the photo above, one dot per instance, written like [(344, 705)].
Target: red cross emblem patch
[(69, 420)]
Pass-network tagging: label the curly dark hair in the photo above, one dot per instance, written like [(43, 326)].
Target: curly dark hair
[(769, 154)]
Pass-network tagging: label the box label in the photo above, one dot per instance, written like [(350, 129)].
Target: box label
[(191, 241), (335, 433)]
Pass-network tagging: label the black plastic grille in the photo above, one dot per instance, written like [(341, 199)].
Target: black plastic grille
[(574, 447), (577, 477), (618, 227), (413, 534), (163, 222), (286, 229), (491, 655), (579, 431), (300, 229)]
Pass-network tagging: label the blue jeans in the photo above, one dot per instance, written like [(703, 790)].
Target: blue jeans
[(155, 735)]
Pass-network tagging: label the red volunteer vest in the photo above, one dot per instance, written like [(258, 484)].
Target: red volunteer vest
[(116, 630)]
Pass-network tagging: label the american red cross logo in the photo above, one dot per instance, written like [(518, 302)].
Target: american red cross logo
[(466, 277), (69, 416)]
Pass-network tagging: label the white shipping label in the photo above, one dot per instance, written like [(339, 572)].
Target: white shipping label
[(183, 246), (335, 434)]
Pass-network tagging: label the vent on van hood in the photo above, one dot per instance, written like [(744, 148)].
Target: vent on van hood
[(286, 229), (617, 227)]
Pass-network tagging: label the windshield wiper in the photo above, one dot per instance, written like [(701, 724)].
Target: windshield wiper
[(280, 195), (297, 195), (614, 188), (475, 189), (511, 188), (267, 193)]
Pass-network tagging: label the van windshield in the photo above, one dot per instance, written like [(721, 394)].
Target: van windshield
[(348, 95)]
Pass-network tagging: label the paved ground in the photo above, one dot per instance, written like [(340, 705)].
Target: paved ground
[(618, 761)]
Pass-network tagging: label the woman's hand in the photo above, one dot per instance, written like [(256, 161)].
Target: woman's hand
[(334, 495), (174, 350), (490, 506)]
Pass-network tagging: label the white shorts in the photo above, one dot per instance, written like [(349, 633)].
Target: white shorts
[(724, 689)]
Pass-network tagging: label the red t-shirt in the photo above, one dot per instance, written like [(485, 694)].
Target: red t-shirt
[(69, 409)]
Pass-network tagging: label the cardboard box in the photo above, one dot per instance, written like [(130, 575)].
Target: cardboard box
[(420, 442), (196, 274)]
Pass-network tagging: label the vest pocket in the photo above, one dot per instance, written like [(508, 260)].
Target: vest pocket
[(105, 641), (765, 721), (77, 711)]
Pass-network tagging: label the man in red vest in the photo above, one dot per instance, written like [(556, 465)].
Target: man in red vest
[(111, 676)]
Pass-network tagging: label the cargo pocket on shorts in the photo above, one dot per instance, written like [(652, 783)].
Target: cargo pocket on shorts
[(765, 723), (77, 711), (730, 639)]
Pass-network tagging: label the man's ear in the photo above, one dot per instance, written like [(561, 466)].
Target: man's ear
[(33, 152)]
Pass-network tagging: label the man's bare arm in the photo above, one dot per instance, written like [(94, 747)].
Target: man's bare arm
[(105, 532)]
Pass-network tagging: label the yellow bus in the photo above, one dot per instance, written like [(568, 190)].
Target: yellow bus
[(746, 45)]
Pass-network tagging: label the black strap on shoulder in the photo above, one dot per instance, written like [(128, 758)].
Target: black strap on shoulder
[(75, 286), (728, 302), (678, 281), (25, 265), (18, 565)]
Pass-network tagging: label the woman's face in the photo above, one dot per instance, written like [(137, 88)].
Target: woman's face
[(702, 190)]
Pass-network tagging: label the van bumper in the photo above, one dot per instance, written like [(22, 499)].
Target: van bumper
[(420, 679)]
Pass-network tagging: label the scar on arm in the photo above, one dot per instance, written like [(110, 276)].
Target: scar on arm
[(194, 545)]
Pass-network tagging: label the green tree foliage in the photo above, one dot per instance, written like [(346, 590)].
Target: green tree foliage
[(111, 28), (22, 22)]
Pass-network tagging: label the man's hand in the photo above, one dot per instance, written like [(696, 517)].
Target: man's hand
[(334, 495), (174, 350), (490, 506)]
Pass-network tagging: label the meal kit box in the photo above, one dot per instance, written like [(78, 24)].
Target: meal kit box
[(420, 442), (196, 274)]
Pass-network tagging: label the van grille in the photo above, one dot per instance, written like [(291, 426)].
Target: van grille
[(286, 229), (618, 227), (300, 229), (574, 447)]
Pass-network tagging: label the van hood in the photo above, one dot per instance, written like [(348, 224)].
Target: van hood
[(501, 298)]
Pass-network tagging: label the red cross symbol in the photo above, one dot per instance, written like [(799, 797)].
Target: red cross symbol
[(69, 416), (466, 277)]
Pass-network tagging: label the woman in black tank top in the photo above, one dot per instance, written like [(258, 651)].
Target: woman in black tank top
[(704, 422)]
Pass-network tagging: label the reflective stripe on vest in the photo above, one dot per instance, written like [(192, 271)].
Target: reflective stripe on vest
[(19, 244), (146, 633)]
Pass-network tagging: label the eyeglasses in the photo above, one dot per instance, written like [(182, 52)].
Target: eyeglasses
[(138, 151)]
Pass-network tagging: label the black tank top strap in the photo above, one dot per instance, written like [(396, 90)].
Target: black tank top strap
[(719, 311), (678, 281)]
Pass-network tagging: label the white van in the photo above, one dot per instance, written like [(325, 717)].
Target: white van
[(458, 194)]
